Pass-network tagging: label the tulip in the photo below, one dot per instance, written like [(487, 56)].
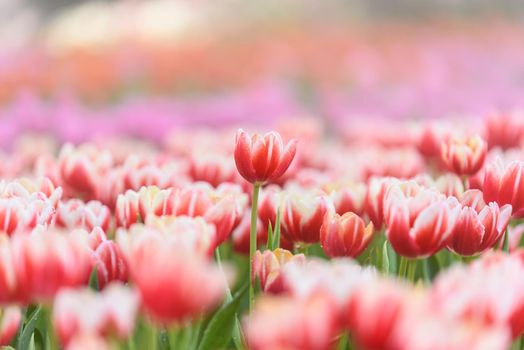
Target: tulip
[(44, 262), (175, 285), (374, 201), (347, 197), (111, 312), (478, 226), (193, 235), (9, 286), (138, 172), (212, 168), (374, 312), (504, 184), (267, 268), (11, 319), (76, 214), (82, 168), (504, 130), (294, 324), (260, 159), (109, 263), (302, 213), (464, 156), (126, 211), (418, 221), (345, 235), (486, 292)]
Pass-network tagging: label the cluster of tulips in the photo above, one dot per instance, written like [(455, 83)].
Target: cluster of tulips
[(399, 238)]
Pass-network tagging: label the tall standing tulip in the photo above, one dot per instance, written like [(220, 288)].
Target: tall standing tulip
[(504, 184), (260, 159), (345, 235), (464, 156)]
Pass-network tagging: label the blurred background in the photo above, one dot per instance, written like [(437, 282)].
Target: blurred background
[(86, 69)]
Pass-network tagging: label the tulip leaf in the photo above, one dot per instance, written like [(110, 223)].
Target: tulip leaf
[(430, 268), (276, 235), (219, 330), (27, 332), (93, 279), (269, 244), (385, 258)]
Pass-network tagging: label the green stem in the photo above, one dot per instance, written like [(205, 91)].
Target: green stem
[(253, 242), (402, 267), (51, 340), (412, 269), (505, 244)]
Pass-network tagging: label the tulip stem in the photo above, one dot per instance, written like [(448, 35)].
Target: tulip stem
[(412, 269), (402, 267), (253, 242)]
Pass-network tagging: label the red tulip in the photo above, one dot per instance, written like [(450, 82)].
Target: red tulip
[(478, 226), (374, 202), (302, 213), (47, 261), (504, 184), (267, 268), (418, 221), (260, 159), (374, 312), (347, 197), (213, 168), (292, 324), (487, 292), (82, 168), (112, 312), (464, 156), (109, 263), (126, 211), (345, 235), (76, 214), (504, 130), (11, 319), (175, 285)]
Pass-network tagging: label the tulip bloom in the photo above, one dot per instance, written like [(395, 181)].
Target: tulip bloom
[(292, 324), (374, 202), (260, 159), (44, 262), (418, 221), (267, 268), (11, 317), (464, 156), (175, 285), (478, 226), (504, 184), (109, 263), (111, 312), (302, 213), (504, 130), (76, 214), (126, 211), (345, 235)]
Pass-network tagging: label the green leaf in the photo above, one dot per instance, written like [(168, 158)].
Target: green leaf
[(93, 279), (27, 333), (276, 236), (430, 268), (219, 331), (385, 258), (269, 244), (392, 256)]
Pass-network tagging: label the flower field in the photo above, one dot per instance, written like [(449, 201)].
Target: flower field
[(260, 184)]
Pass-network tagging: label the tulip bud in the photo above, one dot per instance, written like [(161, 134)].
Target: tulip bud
[(478, 226), (267, 268), (344, 235), (504, 184), (263, 158), (464, 156)]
